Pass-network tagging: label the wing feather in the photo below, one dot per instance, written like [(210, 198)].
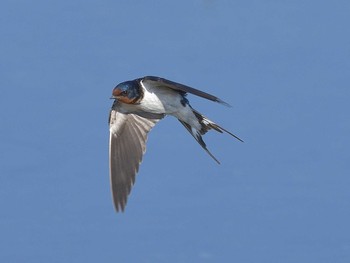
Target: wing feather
[(127, 144), (161, 82)]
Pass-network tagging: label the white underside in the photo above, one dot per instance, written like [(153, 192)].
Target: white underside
[(162, 100)]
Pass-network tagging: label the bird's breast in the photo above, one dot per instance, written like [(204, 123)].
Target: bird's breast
[(160, 100)]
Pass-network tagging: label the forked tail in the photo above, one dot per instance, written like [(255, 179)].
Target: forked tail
[(206, 126)]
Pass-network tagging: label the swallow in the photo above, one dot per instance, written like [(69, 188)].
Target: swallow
[(138, 105)]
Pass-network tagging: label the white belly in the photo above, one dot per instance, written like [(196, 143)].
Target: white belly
[(166, 101), (160, 100)]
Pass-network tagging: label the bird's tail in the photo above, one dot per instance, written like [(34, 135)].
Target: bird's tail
[(206, 125)]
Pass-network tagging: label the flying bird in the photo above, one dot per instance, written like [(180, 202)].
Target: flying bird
[(138, 105)]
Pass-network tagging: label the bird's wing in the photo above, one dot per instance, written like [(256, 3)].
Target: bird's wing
[(127, 144), (160, 82)]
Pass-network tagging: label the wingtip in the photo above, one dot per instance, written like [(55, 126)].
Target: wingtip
[(119, 208), (238, 138), (223, 103)]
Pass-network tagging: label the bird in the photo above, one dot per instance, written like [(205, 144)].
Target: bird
[(138, 105)]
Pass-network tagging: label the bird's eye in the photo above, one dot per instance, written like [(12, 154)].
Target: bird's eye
[(124, 92)]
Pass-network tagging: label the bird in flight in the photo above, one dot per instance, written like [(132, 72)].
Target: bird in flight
[(138, 105)]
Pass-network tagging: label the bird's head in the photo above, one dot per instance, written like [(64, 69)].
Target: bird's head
[(128, 92)]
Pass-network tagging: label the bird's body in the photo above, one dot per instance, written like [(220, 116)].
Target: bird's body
[(163, 101), (139, 105)]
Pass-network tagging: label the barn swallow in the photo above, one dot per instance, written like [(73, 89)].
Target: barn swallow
[(138, 105)]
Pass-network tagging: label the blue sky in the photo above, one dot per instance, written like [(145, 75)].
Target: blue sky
[(282, 196)]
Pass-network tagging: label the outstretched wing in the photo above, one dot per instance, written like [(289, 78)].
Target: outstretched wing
[(160, 82), (127, 144)]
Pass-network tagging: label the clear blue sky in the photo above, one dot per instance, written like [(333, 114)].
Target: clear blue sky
[(282, 196)]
